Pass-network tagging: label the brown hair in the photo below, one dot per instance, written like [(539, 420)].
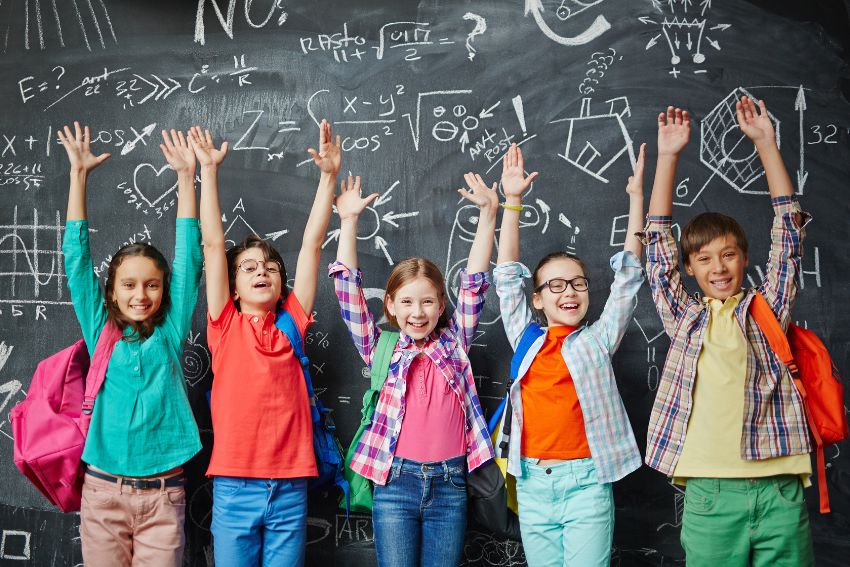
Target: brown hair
[(704, 228), (557, 256), (409, 269), (269, 253), (141, 329)]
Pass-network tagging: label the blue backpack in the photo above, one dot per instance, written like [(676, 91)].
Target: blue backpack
[(329, 459)]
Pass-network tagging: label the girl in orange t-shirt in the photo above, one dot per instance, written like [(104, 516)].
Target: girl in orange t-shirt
[(263, 448)]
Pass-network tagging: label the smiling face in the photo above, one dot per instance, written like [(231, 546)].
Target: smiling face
[(718, 267), (416, 307), (257, 291), (138, 288), (568, 307)]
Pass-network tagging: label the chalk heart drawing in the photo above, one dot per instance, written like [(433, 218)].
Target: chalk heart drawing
[(151, 188)]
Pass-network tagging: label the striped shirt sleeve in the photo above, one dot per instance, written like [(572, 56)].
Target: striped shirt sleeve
[(509, 278), (470, 303), (662, 268), (621, 303)]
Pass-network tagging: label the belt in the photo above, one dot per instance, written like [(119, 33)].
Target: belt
[(141, 483)]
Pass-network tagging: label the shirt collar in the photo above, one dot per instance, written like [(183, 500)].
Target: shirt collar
[(718, 304)]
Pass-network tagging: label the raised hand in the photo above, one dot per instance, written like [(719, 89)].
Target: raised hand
[(635, 184), (514, 181), (754, 123), (202, 144), (479, 194), (350, 204), (329, 156), (674, 131), (177, 152), (77, 146)]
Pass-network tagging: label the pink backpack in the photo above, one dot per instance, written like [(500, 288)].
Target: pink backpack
[(51, 424)]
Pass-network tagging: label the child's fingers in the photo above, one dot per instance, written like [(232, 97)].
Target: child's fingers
[(531, 177), (465, 194), (323, 132), (103, 157), (208, 137), (313, 154), (670, 115), (661, 119), (519, 159), (762, 107), (181, 138), (357, 184), (86, 136), (68, 135), (470, 179), (338, 142), (371, 198), (686, 118), (678, 118), (78, 132), (223, 148)]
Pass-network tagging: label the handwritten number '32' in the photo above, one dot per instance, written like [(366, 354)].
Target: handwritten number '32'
[(829, 138)]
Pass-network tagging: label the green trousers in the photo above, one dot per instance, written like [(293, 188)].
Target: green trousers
[(741, 522)]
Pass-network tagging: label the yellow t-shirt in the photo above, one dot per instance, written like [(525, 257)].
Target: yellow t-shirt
[(712, 447)]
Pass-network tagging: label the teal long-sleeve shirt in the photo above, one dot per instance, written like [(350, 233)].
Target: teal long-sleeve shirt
[(142, 423)]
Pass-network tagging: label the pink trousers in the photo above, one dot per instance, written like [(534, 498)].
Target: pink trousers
[(122, 526)]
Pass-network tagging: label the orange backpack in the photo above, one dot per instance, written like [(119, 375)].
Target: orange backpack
[(816, 379)]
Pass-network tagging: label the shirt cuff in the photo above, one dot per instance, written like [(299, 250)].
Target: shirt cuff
[(788, 204), (627, 259), (339, 270), (511, 269), (655, 224), (477, 282), (76, 233)]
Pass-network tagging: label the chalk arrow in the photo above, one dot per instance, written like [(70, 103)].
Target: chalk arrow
[(599, 26), (386, 197), (464, 139), (690, 43), (562, 218), (721, 27), (712, 43), (651, 43), (545, 209), (10, 388), (391, 216), (332, 235), (275, 235), (381, 244), (646, 20), (176, 86), (488, 113), (150, 94), (800, 107), (676, 41), (131, 144)]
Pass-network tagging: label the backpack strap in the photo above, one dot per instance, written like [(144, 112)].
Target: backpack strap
[(286, 324), (531, 333), (109, 336), (778, 340), (387, 342)]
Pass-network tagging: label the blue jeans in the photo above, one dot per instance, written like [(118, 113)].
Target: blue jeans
[(566, 517), (259, 521), (419, 516)]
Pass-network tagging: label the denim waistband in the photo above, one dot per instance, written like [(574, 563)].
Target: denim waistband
[(431, 468)]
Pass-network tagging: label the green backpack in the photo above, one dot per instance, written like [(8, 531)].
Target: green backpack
[(361, 487)]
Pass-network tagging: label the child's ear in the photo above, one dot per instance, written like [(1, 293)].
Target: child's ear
[(688, 269), (390, 306), (537, 301)]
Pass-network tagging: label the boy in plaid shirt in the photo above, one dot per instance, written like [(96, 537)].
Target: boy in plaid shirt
[(728, 421)]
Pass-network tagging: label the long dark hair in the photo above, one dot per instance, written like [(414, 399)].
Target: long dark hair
[(269, 253), (141, 329)]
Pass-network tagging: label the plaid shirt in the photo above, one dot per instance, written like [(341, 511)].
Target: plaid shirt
[(447, 348), (587, 353), (774, 419)]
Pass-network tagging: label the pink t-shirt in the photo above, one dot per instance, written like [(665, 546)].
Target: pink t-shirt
[(433, 424)]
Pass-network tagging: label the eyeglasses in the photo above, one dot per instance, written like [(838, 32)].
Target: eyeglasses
[(559, 285), (249, 266)]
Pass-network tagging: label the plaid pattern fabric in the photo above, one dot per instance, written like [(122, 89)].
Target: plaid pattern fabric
[(447, 348), (587, 353), (774, 419)]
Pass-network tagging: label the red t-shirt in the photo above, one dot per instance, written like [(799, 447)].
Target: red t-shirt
[(260, 411)]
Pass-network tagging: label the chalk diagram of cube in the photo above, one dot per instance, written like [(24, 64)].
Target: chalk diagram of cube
[(726, 151), (589, 146)]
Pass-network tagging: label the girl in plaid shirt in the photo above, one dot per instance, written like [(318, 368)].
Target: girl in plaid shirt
[(428, 428), (570, 436)]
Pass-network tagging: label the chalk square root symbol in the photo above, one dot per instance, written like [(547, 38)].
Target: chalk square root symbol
[(720, 139)]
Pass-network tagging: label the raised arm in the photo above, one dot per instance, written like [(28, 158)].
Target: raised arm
[(82, 161), (328, 160), (756, 125), (487, 201), (674, 132), (349, 205), (181, 158), (514, 184), (212, 233), (634, 188)]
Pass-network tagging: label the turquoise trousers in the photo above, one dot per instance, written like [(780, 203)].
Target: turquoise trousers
[(566, 517)]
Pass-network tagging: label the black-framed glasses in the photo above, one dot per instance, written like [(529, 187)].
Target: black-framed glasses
[(249, 265), (559, 285)]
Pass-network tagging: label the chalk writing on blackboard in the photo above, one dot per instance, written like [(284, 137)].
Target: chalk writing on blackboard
[(564, 12)]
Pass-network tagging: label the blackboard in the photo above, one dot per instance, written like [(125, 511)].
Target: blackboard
[(421, 93)]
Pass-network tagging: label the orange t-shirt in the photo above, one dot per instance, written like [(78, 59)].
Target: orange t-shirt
[(260, 412), (552, 422)]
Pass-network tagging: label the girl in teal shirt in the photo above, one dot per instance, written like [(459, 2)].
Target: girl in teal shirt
[(142, 428)]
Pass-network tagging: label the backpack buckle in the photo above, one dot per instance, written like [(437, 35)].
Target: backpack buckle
[(305, 362), (88, 406)]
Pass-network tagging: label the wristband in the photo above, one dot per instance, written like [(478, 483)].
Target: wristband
[(511, 207)]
